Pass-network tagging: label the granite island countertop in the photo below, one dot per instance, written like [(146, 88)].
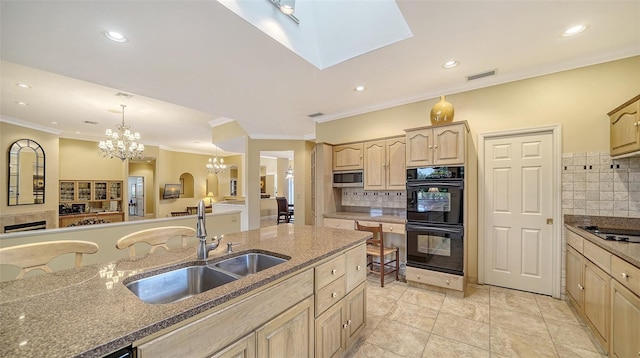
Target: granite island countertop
[(88, 312), (627, 251)]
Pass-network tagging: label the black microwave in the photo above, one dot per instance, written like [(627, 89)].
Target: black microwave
[(352, 179)]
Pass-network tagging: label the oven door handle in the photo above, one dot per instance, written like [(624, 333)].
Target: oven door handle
[(418, 227), (452, 184)]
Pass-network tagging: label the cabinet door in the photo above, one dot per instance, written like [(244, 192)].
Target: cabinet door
[(597, 301), (115, 190), (84, 190), (396, 168), (448, 147), (330, 333), (99, 190), (67, 191), (356, 304), (625, 129), (624, 325), (375, 165), (574, 278), (243, 348), (419, 147), (288, 335), (356, 271), (347, 157)]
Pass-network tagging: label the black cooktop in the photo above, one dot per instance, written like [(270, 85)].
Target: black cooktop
[(614, 234)]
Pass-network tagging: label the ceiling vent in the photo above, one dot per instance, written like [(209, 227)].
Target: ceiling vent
[(315, 115), (123, 95), (481, 75), (90, 122)]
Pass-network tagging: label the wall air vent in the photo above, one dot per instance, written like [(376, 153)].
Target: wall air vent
[(315, 115), (481, 75)]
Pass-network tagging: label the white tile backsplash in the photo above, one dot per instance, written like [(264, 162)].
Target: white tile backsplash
[(396, 199), (595, 184)]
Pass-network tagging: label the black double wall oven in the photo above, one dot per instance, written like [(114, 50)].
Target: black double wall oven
[(435, 216)]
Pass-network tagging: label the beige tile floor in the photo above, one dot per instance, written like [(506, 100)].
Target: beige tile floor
[(404, 321)]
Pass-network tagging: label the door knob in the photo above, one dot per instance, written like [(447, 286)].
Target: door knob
[(625, 275)]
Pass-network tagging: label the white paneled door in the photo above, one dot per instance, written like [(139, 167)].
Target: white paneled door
[(518, 212)]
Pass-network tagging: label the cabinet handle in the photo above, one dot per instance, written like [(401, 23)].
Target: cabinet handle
[(636, 125), (358, 267), (435, 147), (418, 276), (580, 287), (430, 147), (334, 295), (625, 275), (334, 271), (447, 281), (390, 228), (349, 323), (344, 326)]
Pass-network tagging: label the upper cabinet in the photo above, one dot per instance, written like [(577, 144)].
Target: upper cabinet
[(348, 157), (437, 145), (384, 167), (625, 128)]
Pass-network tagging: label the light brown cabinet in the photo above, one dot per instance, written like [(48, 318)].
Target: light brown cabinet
[(288, 335), (340, 302), (243, 348), (588, 285), (348, 157), (384, 164), (437, 145), (624, 322), (102, 200), (624, 133)]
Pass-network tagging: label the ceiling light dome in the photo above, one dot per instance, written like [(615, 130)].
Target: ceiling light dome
[(450, 64), (574, 30), (115, 36)]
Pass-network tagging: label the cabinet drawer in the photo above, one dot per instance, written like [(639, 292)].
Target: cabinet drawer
[(626, 274), (356, 271), (386, 227), (598, 256), (435, 278), (339, 223), (329, 295), (574, 240), (329, 271)]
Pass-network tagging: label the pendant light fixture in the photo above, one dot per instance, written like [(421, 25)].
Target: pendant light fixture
[(216, 165), (126, 143)]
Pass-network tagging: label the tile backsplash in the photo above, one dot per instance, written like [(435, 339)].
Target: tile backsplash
[(594, 184), (396, 199)]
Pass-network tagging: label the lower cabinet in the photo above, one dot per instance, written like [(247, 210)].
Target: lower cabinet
[(588, 287), (244, 348), (288, 335), (340, 326), (625, 305)]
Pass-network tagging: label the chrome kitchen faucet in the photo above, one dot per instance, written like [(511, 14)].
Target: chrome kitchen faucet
[(201, 234)]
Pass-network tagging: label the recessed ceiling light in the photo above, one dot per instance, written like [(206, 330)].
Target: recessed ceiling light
[(360, 88), (22, 103), (115, 36), (77, 132), (23, 85), (574, 30), (450, 64), (54, 122)]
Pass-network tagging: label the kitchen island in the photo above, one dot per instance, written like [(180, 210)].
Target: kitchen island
[(89, 312)]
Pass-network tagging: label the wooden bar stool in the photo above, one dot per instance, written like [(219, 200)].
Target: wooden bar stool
[(156, 237), (376, 248), (36, 256)]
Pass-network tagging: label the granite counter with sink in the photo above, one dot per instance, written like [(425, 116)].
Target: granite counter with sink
[(89, 312)]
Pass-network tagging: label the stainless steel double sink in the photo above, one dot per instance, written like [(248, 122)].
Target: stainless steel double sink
[(185, 282)]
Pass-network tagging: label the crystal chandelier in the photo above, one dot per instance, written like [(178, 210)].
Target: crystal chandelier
[(216, 165), (126, 147)]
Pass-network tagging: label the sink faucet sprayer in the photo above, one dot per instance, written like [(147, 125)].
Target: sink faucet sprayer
[(201, 234)]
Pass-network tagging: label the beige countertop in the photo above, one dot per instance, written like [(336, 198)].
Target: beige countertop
[(88, 312), (399, 218)]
